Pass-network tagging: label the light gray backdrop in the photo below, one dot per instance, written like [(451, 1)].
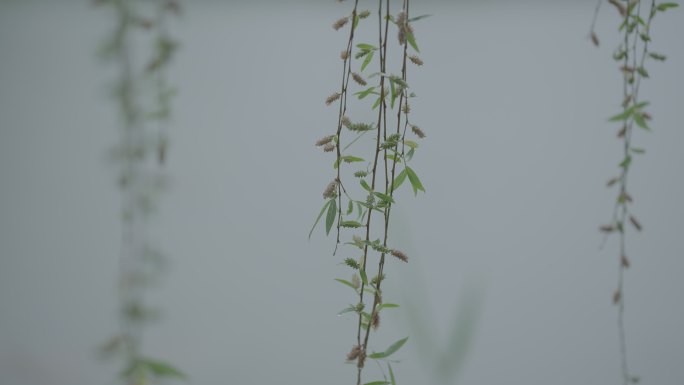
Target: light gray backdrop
[(514, 100)]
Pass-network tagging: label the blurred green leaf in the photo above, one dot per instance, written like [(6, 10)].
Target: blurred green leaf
[(364, 277), (384, 197), (367, 60), (662, 7), (391, 350), (412, 40), (366, 47), (365, 185), (391, 373), (162, 369), (416, 18), (351, 224), (641, 121), (345, 282)]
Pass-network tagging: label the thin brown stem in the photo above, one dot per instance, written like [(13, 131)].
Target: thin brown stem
[(346, 74)]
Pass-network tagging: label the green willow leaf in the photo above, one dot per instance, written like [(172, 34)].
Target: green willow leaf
[(350, 207), (393, 157), (161, 369), (367, 60), (411, 143), (332, 214), (365, 185), (351, 159), (391, 350), (346, 310), (364, 277), (642, 71), (415, 182), (399, 180), (391, 373), (621, 116), (412, 40), (347, 159), (345, 282), (628, 112), (662, 7), (399, 81), (364, 93), (625, 163), (409, 155), (657, 56), (377, 102), (351, 224), (319, 217), (377, 383), (387, 306), (384, 197), (366, 47), (393, 94), (641, 121), (416, 18)]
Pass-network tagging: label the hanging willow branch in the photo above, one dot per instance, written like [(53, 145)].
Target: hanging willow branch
[(632, 55), (386, 168), (140, 154)]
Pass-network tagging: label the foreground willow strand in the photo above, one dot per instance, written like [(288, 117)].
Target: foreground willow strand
[(632, 54), (380, 178), (381, 133)]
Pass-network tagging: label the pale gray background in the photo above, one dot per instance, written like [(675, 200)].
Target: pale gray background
[(514, 100)]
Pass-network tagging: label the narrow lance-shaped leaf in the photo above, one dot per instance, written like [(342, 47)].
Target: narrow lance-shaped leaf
[(366, 92), (366, 47), (364, 277), (367, 60), (412, 40), (384, 197), (391, 373), (319, 217), (351, 224), (161, 369), (391, 350), (345, 282), (377, 102), (387, 306), (332, 214), (346, 310), (641, 121), (416, 18), (399, 180), (662, 7), (415, 182), (365, 185)]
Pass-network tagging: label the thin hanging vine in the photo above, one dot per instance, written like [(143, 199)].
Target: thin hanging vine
[(632, 54), (386, 170), (143, 96)]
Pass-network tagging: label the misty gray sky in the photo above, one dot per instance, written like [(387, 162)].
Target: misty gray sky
[(514, 100)]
